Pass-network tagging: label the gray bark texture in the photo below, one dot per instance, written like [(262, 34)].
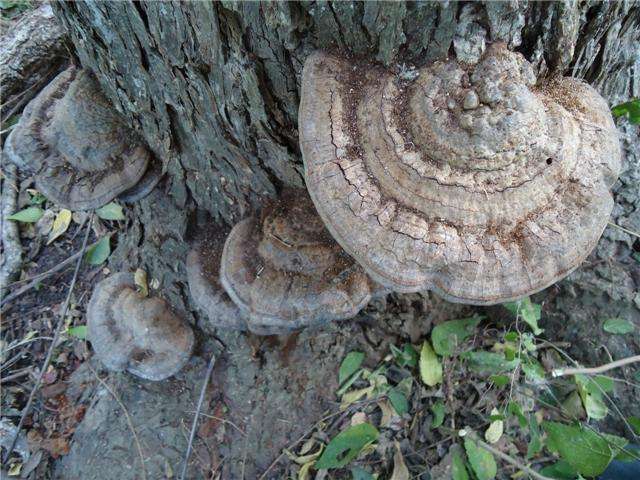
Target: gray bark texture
[(32, 52), (214, 89)]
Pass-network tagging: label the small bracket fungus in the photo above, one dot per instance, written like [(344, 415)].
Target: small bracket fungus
[(131, 332), (283, 271), (71, 138), (203, 273), (471, 181)]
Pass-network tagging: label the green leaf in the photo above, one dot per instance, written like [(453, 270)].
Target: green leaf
[(560, 470), (458, 470), (346, 446), (515, 409), (448, 335), (630, 109), (499, 380), (618, 445), (528, 311), (36, 198), (349, 366), (618, 326), (533, 371), (398, 401), (591, 391), (496, 428), (79, 332), (111, 211), (407, 357), (586, 451), (511, 336), (481, 461), (28, 215), (535, 443), (99, 251), (438, 414), (489, 363), (430, 367), (635, 424)]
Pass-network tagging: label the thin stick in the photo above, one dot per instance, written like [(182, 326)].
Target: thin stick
[(613, 404), (203, 390), (507, 458), (222, 420), (625, 230), (56, 337), (127, 416), (561, 372)]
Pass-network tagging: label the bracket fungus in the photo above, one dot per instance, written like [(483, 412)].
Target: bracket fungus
[(282, 270), (130, 332), (471, 180), (80, 151), (203, 273)]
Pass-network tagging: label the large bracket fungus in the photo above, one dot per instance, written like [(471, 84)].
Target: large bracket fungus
[(130, 332), (283, 271), (81, 153), (470, 180)]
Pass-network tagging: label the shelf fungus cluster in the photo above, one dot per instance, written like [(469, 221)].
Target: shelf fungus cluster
[(472, 181), (130, 332), (81, 153), (278, 272)]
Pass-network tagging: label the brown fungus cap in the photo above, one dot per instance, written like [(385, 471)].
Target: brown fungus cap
[(130, 332), (70, 136), (470, 181), (284, 271), (203, 273)]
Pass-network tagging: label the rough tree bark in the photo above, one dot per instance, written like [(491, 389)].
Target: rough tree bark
[(32, 53), (214, 89)]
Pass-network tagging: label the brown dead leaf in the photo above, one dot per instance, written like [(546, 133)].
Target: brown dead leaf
[(60, 225), (400, 470)]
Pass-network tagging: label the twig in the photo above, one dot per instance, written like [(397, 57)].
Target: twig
[(56, 337), (561, 372), (128, 417), (625, 230), (38, 278), (24, 342), (613, 404), (20, 373), (220, 419), (203, 390), (507, 458), (11, 247)]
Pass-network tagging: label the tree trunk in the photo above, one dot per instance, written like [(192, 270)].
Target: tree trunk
[(214, 90), (214, 87)]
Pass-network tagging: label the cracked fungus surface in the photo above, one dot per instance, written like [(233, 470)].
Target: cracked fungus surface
[(82, 154), (470, 180), (141, 335), (284, 271)]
